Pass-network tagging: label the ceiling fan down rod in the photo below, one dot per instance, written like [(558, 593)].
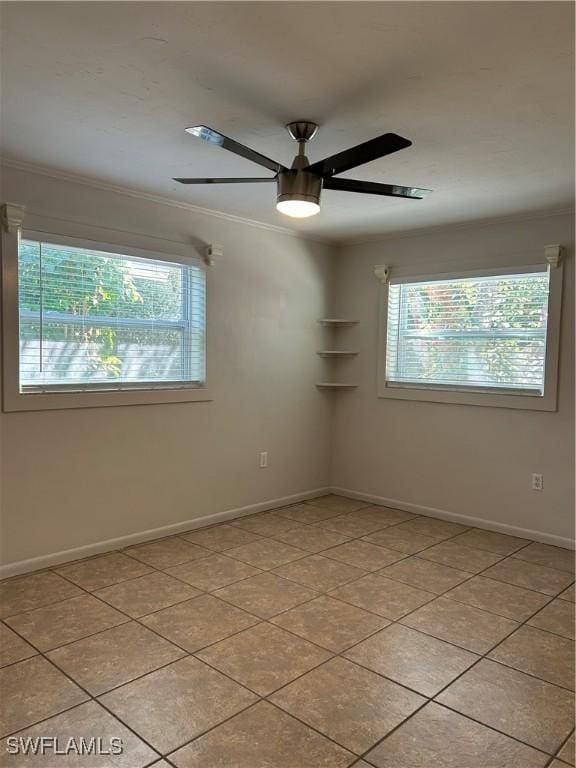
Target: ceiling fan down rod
[(301, 131)]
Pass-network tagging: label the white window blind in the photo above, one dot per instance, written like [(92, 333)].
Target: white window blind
[(93, 320), (469, 333)]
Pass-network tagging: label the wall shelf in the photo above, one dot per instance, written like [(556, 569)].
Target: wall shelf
[(335, 385), (335, 322)]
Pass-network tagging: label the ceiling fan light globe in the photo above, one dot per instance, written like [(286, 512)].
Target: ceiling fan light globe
[(298, 209)]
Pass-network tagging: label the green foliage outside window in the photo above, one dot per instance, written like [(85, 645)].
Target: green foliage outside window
[(87, 285), (476, 332)]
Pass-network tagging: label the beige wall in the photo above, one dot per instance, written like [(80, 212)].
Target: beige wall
[(73, 478), (465, 460), (76, 477)]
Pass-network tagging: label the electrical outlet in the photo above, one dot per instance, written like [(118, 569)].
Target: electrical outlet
[(263, 459), (537, 482)]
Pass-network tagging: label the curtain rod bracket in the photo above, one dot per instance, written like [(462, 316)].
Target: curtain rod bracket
[(212, 251), (382, 272), (12, 216), (553, 255)]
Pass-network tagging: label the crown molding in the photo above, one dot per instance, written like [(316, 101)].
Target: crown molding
[(489, 222), (338, 243), (89, 181)]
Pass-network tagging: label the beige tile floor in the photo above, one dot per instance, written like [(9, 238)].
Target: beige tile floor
[(326, 634)]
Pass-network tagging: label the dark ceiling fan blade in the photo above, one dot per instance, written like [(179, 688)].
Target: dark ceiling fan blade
[(234, 180), (360, 154), (373, 188), (213, 137)]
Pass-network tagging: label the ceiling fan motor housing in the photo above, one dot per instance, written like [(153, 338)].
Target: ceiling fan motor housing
[(296, 184)]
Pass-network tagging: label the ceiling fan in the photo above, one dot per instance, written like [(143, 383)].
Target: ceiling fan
[(299, 187)]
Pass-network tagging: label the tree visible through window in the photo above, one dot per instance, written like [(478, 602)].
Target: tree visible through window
[(92, 319), (469, 333)]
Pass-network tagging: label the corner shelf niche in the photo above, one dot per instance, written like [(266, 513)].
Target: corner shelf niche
[(336, 354)]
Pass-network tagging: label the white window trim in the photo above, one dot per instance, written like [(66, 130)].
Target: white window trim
[(435, 394), (12, 398)]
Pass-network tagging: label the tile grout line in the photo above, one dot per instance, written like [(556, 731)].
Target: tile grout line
[(447, 539), (474, 664), (428, 699), (261, 698), (186, 652), (96, 699), (560, 748), (76, 706), (273, 511), (270, 536), (137, 619), (260, 620), (324, 592), (321, 553), (432, 698), (381, 573), (54, 568)]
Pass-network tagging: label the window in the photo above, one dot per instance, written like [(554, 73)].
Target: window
[(470, 338), (96, 321), (89, 324)]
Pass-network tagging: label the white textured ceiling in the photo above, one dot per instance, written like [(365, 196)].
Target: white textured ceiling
[(484, 90)]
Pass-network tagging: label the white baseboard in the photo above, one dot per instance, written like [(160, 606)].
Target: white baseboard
[(76, 553), (455, 517), (57, 558)]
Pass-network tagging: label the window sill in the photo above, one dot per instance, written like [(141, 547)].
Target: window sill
[(493, 400), (50, 401)]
